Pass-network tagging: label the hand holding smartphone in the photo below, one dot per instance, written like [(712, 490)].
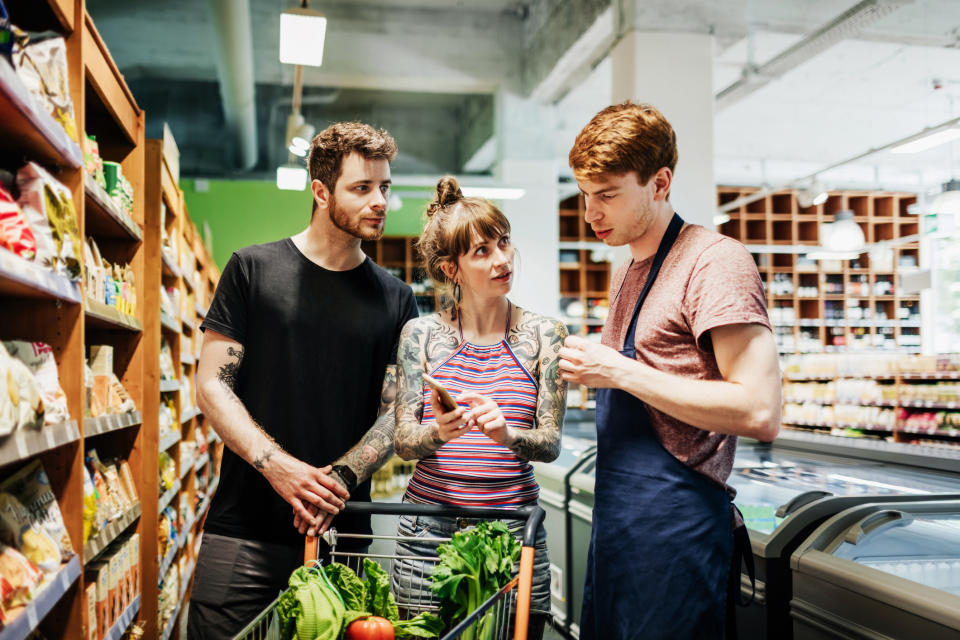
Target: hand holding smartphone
[(446, 400)]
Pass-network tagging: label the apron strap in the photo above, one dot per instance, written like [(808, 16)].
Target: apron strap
[(666, 243), (742, 555)]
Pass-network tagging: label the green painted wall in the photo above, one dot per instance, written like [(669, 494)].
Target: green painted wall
[(245, 212)]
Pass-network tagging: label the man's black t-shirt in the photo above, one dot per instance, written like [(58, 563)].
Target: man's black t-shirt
[(316, 346)]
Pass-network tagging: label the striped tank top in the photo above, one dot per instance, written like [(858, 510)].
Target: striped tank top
[(474, 470)]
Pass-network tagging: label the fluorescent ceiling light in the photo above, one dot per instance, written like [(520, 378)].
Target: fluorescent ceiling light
[(833, 255), (928, 141), (291, 178), (494, 193), (302, 32)]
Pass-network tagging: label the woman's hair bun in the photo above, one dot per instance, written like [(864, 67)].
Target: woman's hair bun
[(448, 192)]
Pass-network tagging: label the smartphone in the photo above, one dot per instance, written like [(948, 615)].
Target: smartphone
[(446, 400)]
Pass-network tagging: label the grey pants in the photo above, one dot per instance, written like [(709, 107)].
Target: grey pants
[(410, 580), (235, 581)]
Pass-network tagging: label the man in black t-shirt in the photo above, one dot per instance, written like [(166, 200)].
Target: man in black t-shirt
[(297, 376)]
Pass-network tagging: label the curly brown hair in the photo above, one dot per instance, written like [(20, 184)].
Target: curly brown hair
[(622, 138), (333, 144), (453, 222)]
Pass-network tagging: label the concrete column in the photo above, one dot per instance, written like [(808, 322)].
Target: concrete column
[(525, 159), (674, 73)]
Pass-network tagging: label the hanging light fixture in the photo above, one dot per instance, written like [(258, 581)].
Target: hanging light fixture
[(948, 202), (841, 239), (812, 195), (302, 32)]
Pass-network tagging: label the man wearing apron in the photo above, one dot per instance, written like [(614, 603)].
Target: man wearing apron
[(687, 363)]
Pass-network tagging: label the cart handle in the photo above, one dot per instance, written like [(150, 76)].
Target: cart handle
[(533, 515)]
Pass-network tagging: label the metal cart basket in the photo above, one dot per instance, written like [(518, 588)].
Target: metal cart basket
[(505, 615)]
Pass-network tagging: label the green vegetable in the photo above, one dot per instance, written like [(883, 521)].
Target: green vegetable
[(351, 588), (425, 625), (310, 609), (379, 600), (473, 567)]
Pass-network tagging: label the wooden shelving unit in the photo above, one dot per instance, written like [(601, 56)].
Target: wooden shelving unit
[(819, 306), (37, 305), (399, 256), (584, 283)]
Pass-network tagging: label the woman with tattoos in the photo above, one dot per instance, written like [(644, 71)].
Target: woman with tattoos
[(500, 362)]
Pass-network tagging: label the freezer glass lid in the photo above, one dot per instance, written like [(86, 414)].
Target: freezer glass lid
[(767, 480), (921, 548), (571, 450)]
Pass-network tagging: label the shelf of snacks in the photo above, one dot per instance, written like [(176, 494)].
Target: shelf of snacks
[(114, 529), (169, 495), (29, 125), (167, 386), (169, 440), (22, 618), (100, 315), (169, 323), (24, 278), (120, 627), (111, 422), (104, 216)]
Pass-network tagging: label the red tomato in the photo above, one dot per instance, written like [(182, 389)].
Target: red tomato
[(372, 628)]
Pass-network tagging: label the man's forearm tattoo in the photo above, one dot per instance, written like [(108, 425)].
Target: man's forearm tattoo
[(260, 461), (376, 446)]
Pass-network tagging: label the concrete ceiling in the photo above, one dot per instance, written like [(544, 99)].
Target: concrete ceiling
[(427, 69)]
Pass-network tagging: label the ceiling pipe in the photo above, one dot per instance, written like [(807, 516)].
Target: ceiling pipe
[(234, 56), (847, 25)]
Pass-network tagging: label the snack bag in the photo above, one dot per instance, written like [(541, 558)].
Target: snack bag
[(18, 530), (41, 63), (22, 405), (15, 232), (38, 356), (9, 395), (32, 487), (90, 521), (19, 578), (48, 207)]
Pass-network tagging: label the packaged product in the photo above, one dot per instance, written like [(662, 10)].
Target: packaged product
[(22, 406), (93, 163), (19, 578), (135, 559), (91, 621), (48, 207), (114, 597), (120, 400), (17, 529), (101, 362), (107, 498), (98, 573), (115, 488), (39, 358), (91, 523), (41, 63), (126, 479), (15, 232), (32, 487)]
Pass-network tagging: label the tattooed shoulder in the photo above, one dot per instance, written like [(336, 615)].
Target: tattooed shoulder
[(228, 372)]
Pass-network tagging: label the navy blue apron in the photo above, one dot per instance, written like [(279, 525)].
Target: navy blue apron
[(661, 548)]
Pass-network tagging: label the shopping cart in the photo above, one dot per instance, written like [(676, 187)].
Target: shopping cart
[(507, 612)]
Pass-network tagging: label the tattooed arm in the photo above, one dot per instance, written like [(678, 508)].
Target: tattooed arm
[(543, 443), (422, 340), (297, 482), (376, 445)]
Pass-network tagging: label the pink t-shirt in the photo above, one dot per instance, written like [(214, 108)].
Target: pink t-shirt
[(707, 281)]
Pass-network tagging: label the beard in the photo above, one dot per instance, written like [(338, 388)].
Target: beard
[(341, 220)]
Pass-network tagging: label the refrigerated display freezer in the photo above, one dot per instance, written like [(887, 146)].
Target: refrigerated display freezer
[(555, 494), (785, 491), (880, 570)]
